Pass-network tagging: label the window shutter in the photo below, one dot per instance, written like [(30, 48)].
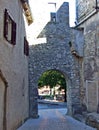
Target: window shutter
[(9, 28), (26, 47), (6, 18), (13, 38)]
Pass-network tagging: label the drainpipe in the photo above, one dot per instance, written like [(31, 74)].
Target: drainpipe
[(96, 5)]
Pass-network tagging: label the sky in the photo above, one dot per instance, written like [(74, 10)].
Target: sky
[(41, 14)]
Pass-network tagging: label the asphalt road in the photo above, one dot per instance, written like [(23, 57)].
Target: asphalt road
[(54, 119), (52, 116)]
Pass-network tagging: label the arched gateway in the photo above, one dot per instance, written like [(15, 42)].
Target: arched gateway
[(55, 55)]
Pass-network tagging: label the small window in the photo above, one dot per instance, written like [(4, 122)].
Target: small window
[(9, 28), (26, 47), (53, 17)]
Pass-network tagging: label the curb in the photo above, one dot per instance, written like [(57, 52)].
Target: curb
[(51, 102)]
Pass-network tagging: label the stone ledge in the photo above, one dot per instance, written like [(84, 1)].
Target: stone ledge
[(91, 119), (80, 118)]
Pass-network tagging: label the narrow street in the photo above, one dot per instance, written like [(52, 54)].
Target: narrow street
[(53, 117)]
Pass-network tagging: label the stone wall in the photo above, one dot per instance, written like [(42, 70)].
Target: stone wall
[(14, 68), (55, 54), (90, 63)]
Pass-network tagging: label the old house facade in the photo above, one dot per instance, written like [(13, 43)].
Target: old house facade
[(13, 63), (88, 19)]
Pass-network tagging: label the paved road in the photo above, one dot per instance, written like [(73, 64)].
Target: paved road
[(51, 105), (54, 119)]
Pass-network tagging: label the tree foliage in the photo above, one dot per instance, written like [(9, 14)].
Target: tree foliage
[(52, 78)]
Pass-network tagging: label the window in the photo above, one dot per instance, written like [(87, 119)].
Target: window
[(53, 17), (9, 28), (26, 47)]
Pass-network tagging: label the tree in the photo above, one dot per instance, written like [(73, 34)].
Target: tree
[(52, 78)]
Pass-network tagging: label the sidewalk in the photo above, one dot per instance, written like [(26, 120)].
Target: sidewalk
[(54, 119)]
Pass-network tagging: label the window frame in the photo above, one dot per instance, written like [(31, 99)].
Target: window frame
[(53, 17), (9, 22), (26, 47)]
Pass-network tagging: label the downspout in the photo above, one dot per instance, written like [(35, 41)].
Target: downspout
[(96, 5)]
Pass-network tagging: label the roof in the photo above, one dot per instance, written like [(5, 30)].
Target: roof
[(27, 11)]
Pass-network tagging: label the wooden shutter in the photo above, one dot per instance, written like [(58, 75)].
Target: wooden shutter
[(9, 28), (6, 18), (13, 37), (26, 47)]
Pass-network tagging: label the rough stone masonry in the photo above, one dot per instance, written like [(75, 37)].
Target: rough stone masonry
[(56, 54)]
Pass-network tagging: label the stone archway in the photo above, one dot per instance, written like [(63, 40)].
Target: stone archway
[(55, 54), (41, 62), (33, 88)]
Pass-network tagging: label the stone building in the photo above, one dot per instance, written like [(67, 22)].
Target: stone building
[(56, 54), (88, 20), (72, 51), (13, 63)]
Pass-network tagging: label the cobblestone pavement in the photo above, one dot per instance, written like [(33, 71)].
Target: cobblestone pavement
[(54, 119)]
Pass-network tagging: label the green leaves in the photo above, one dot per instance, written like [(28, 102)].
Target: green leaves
[(52, 78)]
